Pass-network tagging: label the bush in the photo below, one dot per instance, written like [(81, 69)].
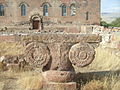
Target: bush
[(116, 23), (105, 24)]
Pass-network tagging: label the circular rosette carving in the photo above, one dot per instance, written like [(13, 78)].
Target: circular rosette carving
[(81, 54), (37, 54)]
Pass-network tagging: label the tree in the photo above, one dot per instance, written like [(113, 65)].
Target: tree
[(105, 24), (116, 23)]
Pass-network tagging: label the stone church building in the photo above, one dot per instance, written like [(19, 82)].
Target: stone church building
[(38, 13)]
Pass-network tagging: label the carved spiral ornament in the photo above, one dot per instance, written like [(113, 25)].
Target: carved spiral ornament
[(81, 54), (37, 54)]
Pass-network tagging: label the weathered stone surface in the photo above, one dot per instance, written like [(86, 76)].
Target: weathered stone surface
[(12, 59), (59, 38), (60, 57), (60, 86), (37, 54), (54, 53), (13, 62), (81, 54), (2, 59), (58, 76)]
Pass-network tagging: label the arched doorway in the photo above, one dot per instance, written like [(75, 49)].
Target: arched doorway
[(36, 22)]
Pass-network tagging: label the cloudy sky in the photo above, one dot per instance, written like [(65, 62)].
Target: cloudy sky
[(110, 6)]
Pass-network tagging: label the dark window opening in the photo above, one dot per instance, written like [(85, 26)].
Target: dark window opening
[(1, 10), (64, 10), (45, 10), (87, 15), (23, 10), (35, 24)]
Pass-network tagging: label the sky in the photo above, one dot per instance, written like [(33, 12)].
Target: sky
[(110, 6)]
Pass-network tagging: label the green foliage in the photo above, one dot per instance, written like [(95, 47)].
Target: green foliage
[(116, 23), (105, 24)]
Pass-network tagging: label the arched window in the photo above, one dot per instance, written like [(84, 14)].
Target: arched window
[(64, 10), (87, 15), (72, 9), (1, 10), (45, 10), (23, 10)]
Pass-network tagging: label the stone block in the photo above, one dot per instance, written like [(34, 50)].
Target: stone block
[(58, 76)]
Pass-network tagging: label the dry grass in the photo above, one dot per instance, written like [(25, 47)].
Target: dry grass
[(116, 86), (20, 80), (2, 67), (11, 48), (30, 81), (106, 83), (105, 60), (33, 81), (1, 85), (93, 85)]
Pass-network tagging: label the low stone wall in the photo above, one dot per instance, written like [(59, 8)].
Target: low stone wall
[(7, 38), (52, 37)]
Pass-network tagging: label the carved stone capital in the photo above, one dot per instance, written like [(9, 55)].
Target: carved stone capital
[(81, 54), (37, 54)]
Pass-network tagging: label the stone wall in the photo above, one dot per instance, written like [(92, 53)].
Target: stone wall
[(52, 37), (13, 11)]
